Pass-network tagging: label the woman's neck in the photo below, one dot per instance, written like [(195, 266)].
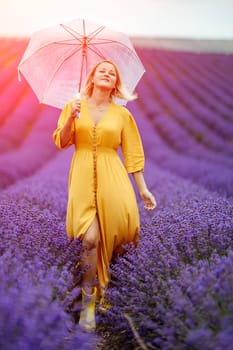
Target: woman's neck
[(100, 97)]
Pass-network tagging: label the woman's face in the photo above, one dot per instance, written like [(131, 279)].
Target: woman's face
[(105, 76)]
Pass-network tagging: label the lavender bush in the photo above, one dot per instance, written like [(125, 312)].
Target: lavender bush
[(31, 315), (188, 239), (37, 267)]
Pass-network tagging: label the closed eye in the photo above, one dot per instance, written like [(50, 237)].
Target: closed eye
[(112, 73)]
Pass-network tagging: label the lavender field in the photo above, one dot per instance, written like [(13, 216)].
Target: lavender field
[(175, 291)]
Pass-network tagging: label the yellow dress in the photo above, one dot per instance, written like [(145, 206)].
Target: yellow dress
[(99, 182)]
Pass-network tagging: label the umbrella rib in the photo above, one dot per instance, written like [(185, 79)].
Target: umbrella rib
[(68, 42), (72, 32), (109, 42), (118, 43), (97, 52), (89, 36), (95, 33), (42, 48), (58, 68)]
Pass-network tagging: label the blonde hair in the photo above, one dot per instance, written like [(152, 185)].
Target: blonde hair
[(119, 92)]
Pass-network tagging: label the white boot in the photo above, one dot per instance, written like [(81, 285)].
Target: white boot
[(87, 314)]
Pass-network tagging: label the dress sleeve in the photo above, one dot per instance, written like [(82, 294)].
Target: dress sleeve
[(131, 144), (65, 113)]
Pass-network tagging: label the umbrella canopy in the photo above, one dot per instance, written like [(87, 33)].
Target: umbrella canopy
[(58, 59)]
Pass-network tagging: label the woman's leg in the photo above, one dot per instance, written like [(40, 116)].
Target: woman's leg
[(89, 265), (89, 255)]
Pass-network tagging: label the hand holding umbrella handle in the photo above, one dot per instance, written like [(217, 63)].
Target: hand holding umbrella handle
[(76, 105)]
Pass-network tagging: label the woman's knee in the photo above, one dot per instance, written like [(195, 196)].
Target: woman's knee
[(90, 242), (91, 238)]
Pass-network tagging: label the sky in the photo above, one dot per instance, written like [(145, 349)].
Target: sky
[(210, 19)]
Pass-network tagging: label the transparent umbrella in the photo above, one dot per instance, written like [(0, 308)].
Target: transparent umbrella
[(58, 59)]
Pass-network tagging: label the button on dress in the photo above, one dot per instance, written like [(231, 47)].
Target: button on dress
[(98, 181)]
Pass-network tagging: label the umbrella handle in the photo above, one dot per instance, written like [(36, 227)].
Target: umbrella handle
[(78, 96)]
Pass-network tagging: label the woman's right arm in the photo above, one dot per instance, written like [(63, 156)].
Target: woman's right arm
[(66, 132)]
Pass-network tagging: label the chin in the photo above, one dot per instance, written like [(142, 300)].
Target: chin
[(105, 86)]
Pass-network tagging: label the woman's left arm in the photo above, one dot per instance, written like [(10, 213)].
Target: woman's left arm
[(145, 194)]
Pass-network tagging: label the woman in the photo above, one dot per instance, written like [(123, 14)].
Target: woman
[(102, 209)]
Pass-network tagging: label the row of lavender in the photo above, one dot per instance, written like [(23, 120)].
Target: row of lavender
[(177, 97), (207, 169), (25, 126)]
